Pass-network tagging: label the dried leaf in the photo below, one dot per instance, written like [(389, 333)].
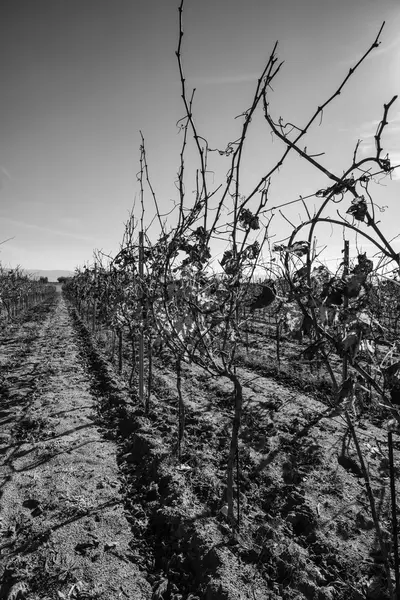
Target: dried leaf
[(264, 299), (358, 208), (298, 248), (228, 263), (364, 266), (293, 318), (252, 251), (248, 220), (299, 275), (385, 164)]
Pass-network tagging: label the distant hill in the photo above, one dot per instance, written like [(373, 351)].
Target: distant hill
[(51, 275)]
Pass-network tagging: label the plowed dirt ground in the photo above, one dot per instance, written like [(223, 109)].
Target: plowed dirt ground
[(63, 528), (95, 504)]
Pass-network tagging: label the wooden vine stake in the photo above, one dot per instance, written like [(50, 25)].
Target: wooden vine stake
[(149, 373), (141, 333), (345, 303), (394, 517), (94, 304), (120, 350), (238, 486), (278, 344), (181, 408), (372, 504)]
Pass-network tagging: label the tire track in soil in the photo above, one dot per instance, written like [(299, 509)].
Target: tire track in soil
[(63, 531)]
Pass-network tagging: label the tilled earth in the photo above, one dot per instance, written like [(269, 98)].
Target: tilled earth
[(64, 533), (95, 504)]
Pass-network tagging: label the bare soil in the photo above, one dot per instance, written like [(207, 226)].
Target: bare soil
[(96, 504), (64, 533)]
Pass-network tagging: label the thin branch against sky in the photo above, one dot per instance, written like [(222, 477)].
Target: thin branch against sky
[(79, 80)]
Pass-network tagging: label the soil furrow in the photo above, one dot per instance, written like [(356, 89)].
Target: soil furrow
[(63, 530), (97, 504)]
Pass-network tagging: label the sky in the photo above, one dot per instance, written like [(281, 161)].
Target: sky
[(81, 78)]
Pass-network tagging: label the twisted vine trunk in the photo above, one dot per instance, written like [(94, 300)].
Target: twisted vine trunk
[(150, 371), (133, 352), (372, 504), (119, 351), (181, 408), (94, 309), (234, 443)]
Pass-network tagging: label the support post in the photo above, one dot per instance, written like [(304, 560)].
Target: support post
[(345, 301), (394, 516), (141, 332)]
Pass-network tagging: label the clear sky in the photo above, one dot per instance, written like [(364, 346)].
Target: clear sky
[(80, 78)]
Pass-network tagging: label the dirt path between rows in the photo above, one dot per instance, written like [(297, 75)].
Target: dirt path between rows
[(63, 531)]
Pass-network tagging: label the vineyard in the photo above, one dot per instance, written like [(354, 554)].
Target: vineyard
[(18, 292), (250, 393), (268, 456)]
